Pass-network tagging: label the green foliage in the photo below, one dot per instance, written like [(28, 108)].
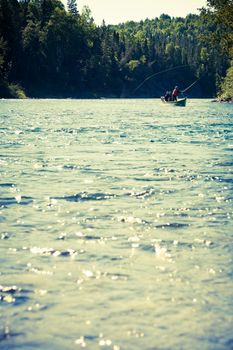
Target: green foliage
[(221, 11), (53, 52), (16, 91), (133, 64), (226, 88), (170, 49), (72, 7), (204, 55)]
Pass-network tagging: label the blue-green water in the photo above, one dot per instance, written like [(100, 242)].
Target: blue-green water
[(116, 225)]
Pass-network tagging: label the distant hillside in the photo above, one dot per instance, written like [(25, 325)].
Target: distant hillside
[(47, 51)]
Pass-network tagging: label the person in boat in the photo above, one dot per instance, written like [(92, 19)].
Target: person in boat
[(167, 96), (175, 93)]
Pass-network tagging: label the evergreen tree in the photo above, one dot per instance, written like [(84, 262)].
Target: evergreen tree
[(221, 11), (72, 7), (54, 52)]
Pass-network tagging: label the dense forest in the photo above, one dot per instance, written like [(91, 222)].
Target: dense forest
[(49, 51)]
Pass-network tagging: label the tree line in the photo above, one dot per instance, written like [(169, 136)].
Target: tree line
[(49, 51)]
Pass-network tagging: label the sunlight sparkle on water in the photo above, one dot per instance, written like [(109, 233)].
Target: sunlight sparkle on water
[(116, 225)]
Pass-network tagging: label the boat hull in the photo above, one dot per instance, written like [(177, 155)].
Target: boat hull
[(178, 103)]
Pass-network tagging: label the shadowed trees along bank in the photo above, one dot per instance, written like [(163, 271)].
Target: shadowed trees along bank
[(49, 51), (221, 11)]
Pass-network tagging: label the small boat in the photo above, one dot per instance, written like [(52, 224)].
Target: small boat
[(181, 102)]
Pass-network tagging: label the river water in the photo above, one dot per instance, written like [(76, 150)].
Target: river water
[(116, 225)]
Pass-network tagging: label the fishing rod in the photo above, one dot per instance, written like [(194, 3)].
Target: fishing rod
[(189, 87), (162, 71)]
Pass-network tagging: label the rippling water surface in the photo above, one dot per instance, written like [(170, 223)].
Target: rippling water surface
[(116, 225)]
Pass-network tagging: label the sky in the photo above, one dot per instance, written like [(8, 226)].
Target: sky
[(117, 11)]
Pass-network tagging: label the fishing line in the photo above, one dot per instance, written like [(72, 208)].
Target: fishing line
[(162, 71)]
